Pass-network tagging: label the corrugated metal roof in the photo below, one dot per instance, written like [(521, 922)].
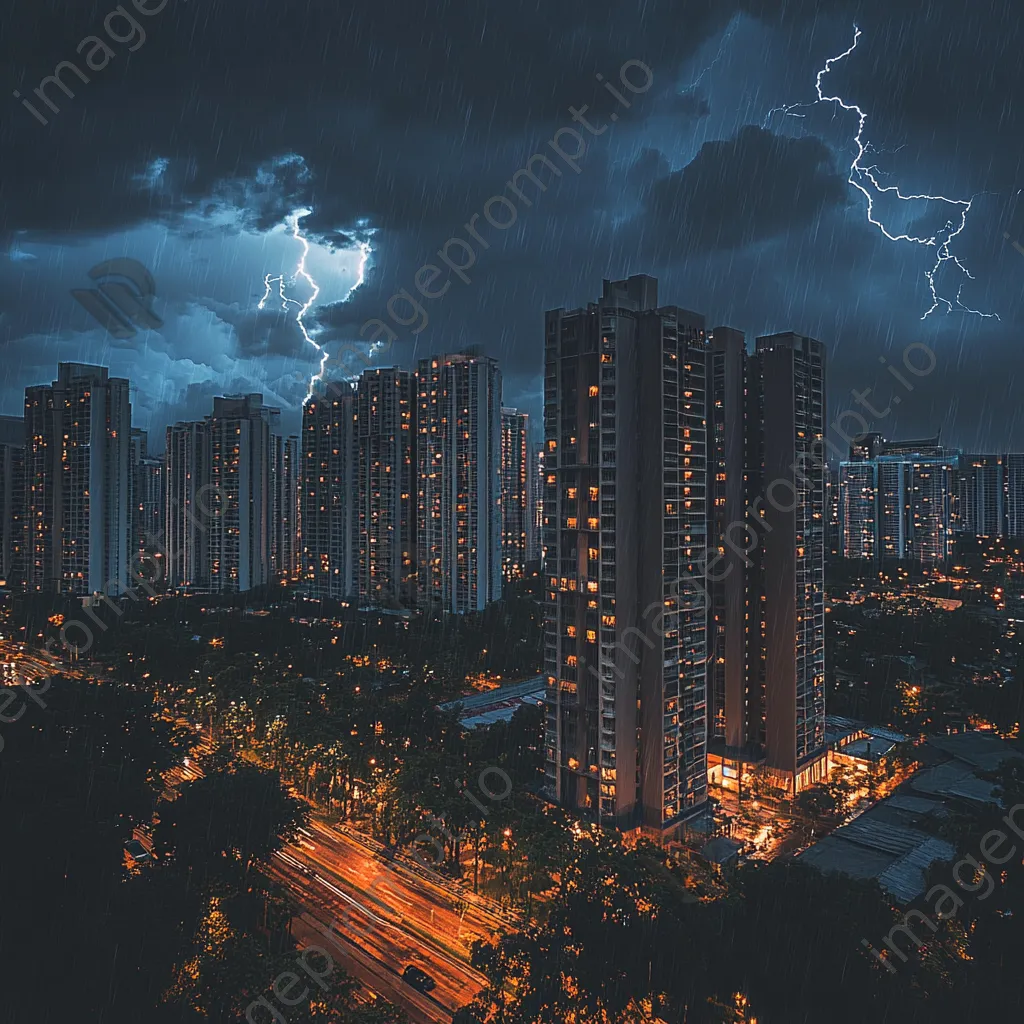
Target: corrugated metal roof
[(905, 878), (880, 835)]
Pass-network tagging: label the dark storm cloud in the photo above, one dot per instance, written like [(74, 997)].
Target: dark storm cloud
[(744, 190), (688, 105), (405, 120), (221, 88)]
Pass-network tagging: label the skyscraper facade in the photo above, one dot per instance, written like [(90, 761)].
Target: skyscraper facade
[(79, 482), (786, 594), (284, 523), (458, 482), (327, 483), (897, 501), (188, 505), (536, 552), (386, 486), (517, 483), (148, 497), (982, 495), (1014, 464), (728, 708), (625, 511), (13, 526), (859, 511), (239, 529)]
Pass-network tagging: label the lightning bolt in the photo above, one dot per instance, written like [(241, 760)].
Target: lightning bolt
[(865, 181), (292, 221)]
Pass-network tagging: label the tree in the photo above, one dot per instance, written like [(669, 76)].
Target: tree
[(76, 774), (220, 825)]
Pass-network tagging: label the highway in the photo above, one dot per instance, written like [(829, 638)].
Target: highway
[(377, 916), (20, 663), (384, 918)]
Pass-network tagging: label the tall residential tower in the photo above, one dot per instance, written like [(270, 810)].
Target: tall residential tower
[(625, 517)]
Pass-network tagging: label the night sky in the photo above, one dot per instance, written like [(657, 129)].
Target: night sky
[(394, 122)]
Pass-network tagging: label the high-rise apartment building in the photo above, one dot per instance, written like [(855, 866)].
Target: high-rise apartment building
[(458, 482), (189, 506), (833, 530), (916, 496), (625, 512), (79, 482), (328, 490), (859, 511), (148, 497), (239, 529), (786, 591), (517, 485), (897, 501), (1014, 466), (536, 551), (13, 535), (385, 487), (982, 495), (284, 524), (150, 503), (729, 711)]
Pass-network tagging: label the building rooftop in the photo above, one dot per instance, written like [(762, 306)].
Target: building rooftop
[(498, 705), (893, 842), (838, 729), (722, 850), (875, 846)]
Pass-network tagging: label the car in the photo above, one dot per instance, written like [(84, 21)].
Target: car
[(412, 975), (136, 850)]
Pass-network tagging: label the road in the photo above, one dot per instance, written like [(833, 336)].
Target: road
[(376, 978), (385, 918), (376, 915), (20, 663)]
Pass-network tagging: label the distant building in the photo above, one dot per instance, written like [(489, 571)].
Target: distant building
[(859, 510), (916, 500), (899, 505), (328, 493), (188, 505), (148, 497), (13, 526), (284, 525), (982, 495), (79, 482), (517, 484), (1014, 466), (458, 497), (150, 503), (240, 452), (385, 487)]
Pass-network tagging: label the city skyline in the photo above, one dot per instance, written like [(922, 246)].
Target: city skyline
[(512, 513)]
